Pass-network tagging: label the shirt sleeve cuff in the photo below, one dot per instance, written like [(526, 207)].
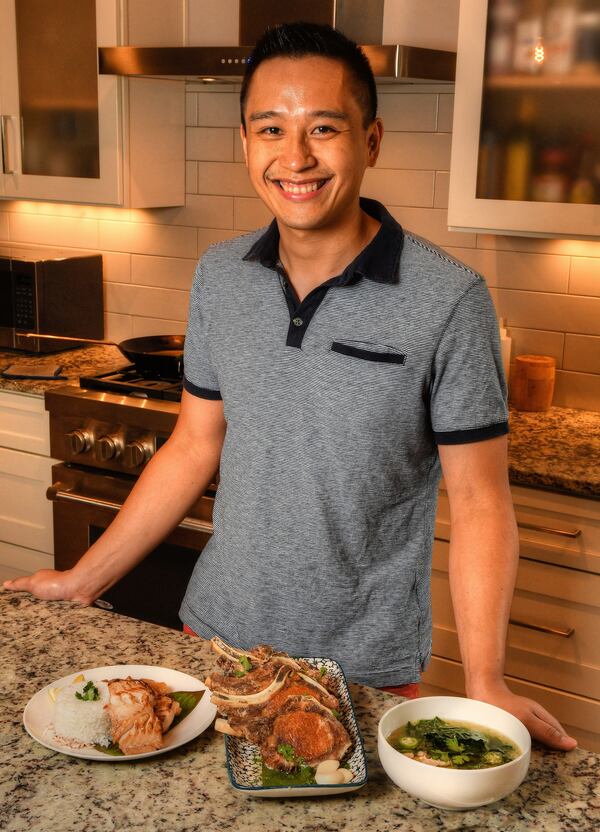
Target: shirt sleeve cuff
[(201, 392), (462, 437)]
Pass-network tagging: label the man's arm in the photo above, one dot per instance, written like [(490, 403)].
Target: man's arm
[(484, 555), (171, 482)]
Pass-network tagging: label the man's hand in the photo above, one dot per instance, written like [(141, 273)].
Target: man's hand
[(541, 725), (49, 585)]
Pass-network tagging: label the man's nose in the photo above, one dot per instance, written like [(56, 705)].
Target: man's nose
[(297, 153)]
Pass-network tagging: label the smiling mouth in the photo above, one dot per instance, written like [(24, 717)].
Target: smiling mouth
[(300, 187)]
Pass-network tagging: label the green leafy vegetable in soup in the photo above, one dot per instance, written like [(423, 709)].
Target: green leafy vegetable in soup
[(438, 742)]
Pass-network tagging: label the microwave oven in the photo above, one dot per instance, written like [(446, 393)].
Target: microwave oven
[(42, 291)]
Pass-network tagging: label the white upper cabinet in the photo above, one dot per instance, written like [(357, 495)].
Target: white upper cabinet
[(70, 134), (526, 134)]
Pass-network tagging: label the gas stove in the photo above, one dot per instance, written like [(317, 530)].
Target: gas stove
[(129, 380)]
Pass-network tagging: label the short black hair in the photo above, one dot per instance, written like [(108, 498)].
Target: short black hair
[(301, 40)]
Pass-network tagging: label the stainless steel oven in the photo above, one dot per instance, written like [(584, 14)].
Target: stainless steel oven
[(89, 489)]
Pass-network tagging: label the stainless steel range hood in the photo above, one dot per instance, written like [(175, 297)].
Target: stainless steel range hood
[(358, 19)]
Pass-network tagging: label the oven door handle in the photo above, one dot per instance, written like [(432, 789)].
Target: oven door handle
[(57, 494)]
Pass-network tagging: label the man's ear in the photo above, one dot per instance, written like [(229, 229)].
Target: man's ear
[(374, 137), (244, 139)]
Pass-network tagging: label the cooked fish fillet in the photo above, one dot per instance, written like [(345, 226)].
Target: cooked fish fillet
[(135, 726)]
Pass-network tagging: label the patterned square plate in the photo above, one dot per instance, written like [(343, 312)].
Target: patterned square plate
[(243, 757)]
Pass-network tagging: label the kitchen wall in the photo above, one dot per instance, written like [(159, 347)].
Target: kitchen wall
[(548, 290)]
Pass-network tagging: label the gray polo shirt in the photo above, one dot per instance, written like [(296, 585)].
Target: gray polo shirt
[(335, 407)]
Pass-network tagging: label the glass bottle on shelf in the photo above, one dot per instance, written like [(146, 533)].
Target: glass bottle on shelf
[(503, 16), (551, 182), (587, 38), (584, 189), (519, 152), (559, 36), (527, 57), (489, 169)]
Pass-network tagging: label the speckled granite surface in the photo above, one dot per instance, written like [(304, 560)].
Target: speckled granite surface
[(188, 789), (558, 450), (76, 363)]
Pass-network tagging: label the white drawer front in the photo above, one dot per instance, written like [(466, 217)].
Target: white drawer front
[(24, 423), (565, 603), (25, 513), (554, 528), (25, 561)]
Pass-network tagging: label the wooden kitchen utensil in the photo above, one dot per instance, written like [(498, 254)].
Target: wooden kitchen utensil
[(532, 382)]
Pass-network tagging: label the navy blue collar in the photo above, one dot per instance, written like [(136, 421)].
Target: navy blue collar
[(378, 260)]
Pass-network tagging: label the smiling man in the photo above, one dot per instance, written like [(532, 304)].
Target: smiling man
[(334, 366)]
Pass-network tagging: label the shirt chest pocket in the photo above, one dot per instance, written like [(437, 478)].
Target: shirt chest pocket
[(369, 351)]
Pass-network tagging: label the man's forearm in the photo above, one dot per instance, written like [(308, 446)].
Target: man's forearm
[(483, 564), (170, 484)]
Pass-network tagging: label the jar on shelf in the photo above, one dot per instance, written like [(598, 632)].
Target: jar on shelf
[(587, 38), (551, 182)]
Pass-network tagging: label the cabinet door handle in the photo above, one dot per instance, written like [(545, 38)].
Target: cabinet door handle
[(562, 532), (554, 631), (8, 166)]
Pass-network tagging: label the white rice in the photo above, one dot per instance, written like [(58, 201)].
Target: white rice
[(81, 721)]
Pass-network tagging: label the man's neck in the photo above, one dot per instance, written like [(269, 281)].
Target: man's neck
[(312, 257)]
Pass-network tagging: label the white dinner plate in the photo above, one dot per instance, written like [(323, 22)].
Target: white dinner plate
[(39, 711)]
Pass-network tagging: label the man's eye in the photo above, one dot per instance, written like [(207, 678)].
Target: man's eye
[(271, 131), (323, 129)]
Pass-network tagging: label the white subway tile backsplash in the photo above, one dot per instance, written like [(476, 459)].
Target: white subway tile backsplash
[(191, 177), (542, 245), (408, 112), (399, 187), (191, 109), (582, 353), (536, 342), (230, 178), (166, 272), (585, 276), (145, 301), (116, 267), (54, 231), (144, 238), (445, 113), (432, 224), (250, 214), (238, 150), (218, 109), (209, 236), (442, 184), (538, 310), (415, 151), (199, 211), (3, 225), (510, 270), (117, 327), (578, 390), (157, 326), (209, 144)]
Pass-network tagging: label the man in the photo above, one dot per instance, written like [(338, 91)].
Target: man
[(331, 363)]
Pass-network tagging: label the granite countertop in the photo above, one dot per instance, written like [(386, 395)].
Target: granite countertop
[(557, 450), (188, 788), (78, 362)]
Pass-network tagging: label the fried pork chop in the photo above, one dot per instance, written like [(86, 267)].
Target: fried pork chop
[(270, 700)]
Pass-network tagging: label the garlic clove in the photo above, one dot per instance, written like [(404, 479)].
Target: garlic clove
[(333, 778), (327, 767)]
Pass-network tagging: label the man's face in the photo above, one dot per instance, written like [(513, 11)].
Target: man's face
[(305, 143)]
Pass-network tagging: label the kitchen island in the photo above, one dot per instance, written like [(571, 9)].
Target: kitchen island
[(188, 788)]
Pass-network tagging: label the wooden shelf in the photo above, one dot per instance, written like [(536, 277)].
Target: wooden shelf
[(554, 83)]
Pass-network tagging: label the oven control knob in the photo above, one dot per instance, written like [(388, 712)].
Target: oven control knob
[(80, 441), (136, 453), (108, 447)]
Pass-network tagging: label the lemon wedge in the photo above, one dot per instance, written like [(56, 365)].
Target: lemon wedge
[(80, 678)]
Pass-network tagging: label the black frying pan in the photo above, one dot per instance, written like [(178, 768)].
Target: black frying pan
[(153, 355)]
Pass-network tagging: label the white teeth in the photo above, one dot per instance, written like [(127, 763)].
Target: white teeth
[(299, 189)]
